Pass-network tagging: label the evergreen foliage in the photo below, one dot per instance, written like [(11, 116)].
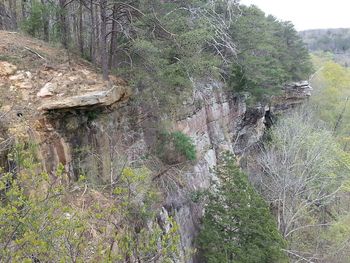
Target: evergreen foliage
[(237, 225), (170, 60), (184, 144), (34, 24), (270, 53), (175, 146)]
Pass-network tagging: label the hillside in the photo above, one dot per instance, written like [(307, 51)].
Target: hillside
[(334, 41)]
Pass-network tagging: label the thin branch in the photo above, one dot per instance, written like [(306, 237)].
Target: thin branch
[(35, 53), (306, 226)]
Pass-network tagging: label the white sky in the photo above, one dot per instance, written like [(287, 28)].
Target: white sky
[(307, 14)]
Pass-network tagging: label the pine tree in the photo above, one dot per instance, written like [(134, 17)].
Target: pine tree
[(270, 53), (237, 225)]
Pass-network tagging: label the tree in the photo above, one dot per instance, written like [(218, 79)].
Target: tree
[(36, 24), (13, 13), (337, 240), (331, 95), (302, 171), (103, 45), (270, 53), (237, 224), (64, 26)]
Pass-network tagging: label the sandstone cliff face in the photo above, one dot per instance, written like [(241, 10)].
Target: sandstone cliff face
[(97, 132), (100, 145)]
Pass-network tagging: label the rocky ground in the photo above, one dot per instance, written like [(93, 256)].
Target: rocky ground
[(35, 77)]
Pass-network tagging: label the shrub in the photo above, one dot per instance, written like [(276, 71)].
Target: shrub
[(184, 145), (175, 147)]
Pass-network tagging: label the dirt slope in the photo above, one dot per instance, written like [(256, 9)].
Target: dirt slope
[(33, 73)]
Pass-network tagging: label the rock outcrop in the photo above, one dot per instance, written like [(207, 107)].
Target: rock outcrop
[(293, 94), (89, 100), (102, 144)]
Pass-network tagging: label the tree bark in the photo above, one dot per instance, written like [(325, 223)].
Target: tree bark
[(113, 46), (103, 40), (2, 14), (92, 36), (63, 23), (13, 12), (24, 9), (81, 37), (46, 23), (97, 32)]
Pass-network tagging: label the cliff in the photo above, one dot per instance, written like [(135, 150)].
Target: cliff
[(94, 128)]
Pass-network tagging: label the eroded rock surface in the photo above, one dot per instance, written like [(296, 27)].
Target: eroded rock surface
[(293, 94), (100, 98)]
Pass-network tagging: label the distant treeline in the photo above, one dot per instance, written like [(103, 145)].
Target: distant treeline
[(335, 41)]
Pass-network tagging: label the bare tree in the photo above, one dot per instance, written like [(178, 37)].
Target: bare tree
[(113, 45), (92, 33), (6, 18), (45, 22), (301, 172)]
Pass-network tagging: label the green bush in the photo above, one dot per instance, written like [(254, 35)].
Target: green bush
[(184, 145), (35, 23), (174, 147)]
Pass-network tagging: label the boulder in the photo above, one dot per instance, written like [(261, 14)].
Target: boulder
[(47, 90)]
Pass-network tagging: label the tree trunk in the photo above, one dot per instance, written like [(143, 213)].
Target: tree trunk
[(46, 23), (103, 39), (63, 24), (24, 9), (113, 46), (13, 12), (92, 30), (81, 37), (2, 15), (97, 32), (75, 30)]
